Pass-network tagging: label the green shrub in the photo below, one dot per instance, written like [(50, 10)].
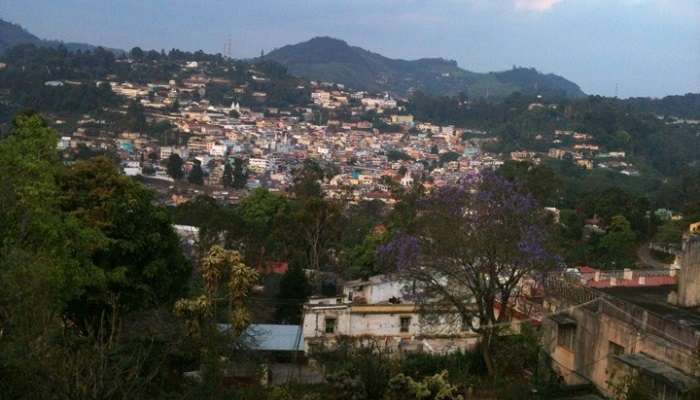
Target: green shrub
[(459, 365), (369, 363), (436, 387), (347, 387)]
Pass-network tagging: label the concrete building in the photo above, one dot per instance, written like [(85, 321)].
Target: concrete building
[(601, 334), (689, 274), (402, 119), (378, 311), (259, 165)]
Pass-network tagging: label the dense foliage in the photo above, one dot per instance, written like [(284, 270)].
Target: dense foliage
[(55, 80), (83, 249), (616, 125)]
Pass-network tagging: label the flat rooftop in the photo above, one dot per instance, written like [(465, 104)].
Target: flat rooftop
[(655, 300)]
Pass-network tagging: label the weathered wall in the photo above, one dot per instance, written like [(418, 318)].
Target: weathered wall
[(689, 275), (440, 333), (591, 359)]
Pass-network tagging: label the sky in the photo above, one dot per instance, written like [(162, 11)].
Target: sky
[(640, 47)]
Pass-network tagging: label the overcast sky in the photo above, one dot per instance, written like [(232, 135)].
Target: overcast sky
[(647, 47)]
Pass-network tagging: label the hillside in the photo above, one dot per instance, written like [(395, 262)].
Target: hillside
[(329, 59), (12, 35)]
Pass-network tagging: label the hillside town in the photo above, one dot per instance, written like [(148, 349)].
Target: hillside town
[(375, 146), (325, 222)]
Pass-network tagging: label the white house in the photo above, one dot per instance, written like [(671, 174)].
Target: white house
[(132, 168), (259, 164), (407, 180), (379, 310)]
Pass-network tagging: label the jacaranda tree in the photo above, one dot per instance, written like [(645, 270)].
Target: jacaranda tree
[(473, 244)]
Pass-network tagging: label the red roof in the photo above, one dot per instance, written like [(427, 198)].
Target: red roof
[(274, 267)]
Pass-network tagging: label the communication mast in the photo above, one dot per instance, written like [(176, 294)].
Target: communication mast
[(228, 48)]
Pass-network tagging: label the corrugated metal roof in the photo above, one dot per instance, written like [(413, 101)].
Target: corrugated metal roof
[(270, 337)]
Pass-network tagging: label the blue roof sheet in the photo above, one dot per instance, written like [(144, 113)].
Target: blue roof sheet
[(270, 337)]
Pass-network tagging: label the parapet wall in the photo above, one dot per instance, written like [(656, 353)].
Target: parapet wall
[(689, 275)]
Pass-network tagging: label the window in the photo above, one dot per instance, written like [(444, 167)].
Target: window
[(466, 324), (614, 349), (566, 336), (330, 325), (405, 324)]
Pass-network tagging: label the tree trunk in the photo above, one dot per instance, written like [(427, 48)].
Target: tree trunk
[(486, 352)]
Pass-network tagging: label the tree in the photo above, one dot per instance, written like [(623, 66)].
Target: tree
[(140, 259), (136, 53), (293, 292), (71, 261), (398, 155), (227, 180), (539, 180), (307, 180), (315, 217), (43, 251), (174, 107), (434, 387), (263, 229), (196, 175), (136, 117), (361, 260), (226, 280), (174, 166), (617, 246), (240, 173), (472, 245)]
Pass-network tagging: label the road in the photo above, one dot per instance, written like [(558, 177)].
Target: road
[(645, 258)]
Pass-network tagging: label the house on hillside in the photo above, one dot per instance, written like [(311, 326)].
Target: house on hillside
[(612, 327), (379, 311)]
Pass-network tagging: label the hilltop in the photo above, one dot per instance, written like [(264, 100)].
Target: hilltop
[(13, 34), (329, 59)]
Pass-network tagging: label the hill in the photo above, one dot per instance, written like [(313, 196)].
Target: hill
[(12, 35), (329, 59)]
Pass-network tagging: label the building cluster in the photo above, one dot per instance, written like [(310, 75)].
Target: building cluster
[(605, 328), (581, 149), (599, 328), (597, 325), (371, 139)]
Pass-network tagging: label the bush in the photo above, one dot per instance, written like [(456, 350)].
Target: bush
[(459, 365), (368, 363), (345, 386), (436, 387)]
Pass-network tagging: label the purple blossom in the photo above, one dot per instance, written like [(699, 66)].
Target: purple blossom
[(485, 206), (531, 245), (401, 252)]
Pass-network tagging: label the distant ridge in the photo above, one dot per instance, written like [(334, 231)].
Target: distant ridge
[(12, 35), (330, 59)]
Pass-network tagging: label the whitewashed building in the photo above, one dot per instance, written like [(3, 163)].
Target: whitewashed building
[(378, 310)]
